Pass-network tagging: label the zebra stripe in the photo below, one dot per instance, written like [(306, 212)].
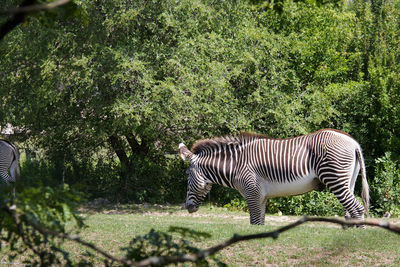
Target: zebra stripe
[(260, 168), (9, 161)]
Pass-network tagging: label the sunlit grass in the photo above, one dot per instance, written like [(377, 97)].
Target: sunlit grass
[(312, 244), (315, 244)]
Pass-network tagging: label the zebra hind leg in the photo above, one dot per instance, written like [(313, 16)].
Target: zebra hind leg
[(347, 217), (353, 208)]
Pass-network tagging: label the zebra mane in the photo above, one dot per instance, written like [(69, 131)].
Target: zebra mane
[(218, 142)]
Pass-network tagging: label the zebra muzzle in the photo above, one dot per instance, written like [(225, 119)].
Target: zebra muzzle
[(191, 207)]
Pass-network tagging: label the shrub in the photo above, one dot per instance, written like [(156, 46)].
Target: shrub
[(385, 188), (237, 204), (320, 203), (29, 221)]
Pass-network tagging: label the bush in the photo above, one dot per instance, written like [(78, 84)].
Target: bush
[(385, 189), (156, 243), (320, 203), (237, 204), (29, 221)]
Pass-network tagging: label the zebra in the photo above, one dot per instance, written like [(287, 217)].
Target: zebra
[(9, 160), (260, 168)]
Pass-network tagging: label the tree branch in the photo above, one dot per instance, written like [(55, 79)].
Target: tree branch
[(21, 231), (274, 234), (18, 218), (19, 13), (163, 260), (15, 20), (117, 146), (36, 8), (137, 148)]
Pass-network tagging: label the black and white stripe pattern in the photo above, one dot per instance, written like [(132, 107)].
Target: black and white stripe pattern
[(9, 162), (261, 168)]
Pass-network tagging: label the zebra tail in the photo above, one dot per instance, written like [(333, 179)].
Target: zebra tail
[(365, 186)]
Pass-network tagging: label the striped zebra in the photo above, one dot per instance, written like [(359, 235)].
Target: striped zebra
[(9, 161), (260, 168)]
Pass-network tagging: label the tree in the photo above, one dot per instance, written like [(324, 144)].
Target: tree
[(108, 95), (108, 88)]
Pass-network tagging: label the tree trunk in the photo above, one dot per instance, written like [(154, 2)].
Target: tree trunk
[(138, 149), (116, 144)]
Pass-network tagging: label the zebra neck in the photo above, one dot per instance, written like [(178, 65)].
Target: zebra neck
[(220, 166)]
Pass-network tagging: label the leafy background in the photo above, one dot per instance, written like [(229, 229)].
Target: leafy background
[(101, 92)]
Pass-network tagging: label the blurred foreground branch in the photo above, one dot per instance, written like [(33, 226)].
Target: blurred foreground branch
[(19, 13), (37, 8), (273, 234), (21, 219), (192, 257)]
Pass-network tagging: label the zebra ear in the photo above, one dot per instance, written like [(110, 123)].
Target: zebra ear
[(184, 152)]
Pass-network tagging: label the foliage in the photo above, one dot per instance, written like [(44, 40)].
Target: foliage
[(26, 220), (52, 207), (301, 243), (238, 204), (107, 92), (385, 189), (156, 243), (319, 203)]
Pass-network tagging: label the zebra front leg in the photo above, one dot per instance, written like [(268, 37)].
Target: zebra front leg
[(256, 207), (249, 188)]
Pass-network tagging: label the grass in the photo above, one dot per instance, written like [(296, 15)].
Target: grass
[(317, 244)]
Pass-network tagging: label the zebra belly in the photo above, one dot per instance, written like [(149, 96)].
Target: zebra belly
[(297, 187)]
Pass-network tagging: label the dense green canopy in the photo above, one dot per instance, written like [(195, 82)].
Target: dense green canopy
[(106, 94)]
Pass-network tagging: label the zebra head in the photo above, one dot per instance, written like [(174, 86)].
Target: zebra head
[(198, 186)]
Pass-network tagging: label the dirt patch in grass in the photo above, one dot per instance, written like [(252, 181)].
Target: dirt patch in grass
[(178, 210), (166, 210), (128, 208)]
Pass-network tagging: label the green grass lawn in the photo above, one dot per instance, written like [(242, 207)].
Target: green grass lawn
[(313, 244)]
